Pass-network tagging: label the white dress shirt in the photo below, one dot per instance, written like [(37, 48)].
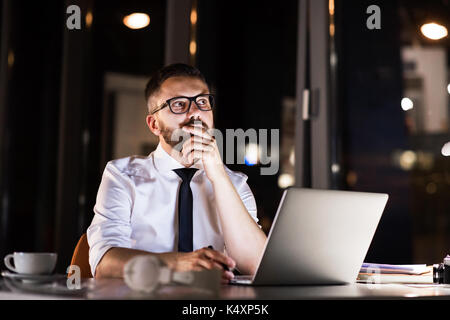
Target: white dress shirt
[(137, 208)]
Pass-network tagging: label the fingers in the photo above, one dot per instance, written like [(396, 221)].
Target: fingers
[(202, 259), (193, 149), (199, 132), (227, 276), (197, 143), (198, 140), (210, 264), (192, 145), (200, 145), (210, 257), (219, 257)]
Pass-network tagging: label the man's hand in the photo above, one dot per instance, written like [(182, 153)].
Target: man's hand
[(238, 227), (202, 145), (199, 260)]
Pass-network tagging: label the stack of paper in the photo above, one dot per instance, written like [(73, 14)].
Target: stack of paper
[(389, 273)]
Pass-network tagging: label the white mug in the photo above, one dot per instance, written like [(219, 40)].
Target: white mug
[(31, 262)]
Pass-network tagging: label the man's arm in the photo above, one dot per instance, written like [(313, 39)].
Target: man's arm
[(113, 261), (244, 240)]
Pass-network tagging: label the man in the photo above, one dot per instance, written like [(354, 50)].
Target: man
[(184, 206)]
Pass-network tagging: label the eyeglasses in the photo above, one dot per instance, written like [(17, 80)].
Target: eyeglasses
[(179, 105)]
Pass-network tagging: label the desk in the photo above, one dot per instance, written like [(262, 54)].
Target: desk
[(117, 289)]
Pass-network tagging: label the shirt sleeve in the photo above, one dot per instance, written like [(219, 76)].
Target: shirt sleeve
[(247, 197), (111, 225)]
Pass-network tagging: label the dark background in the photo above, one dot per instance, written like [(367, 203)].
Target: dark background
[(51, 99)]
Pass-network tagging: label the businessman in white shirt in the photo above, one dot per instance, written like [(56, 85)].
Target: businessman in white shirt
[(142, 201)]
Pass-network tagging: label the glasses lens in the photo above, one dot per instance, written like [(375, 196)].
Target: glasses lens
[(205, 102), (179, 105)]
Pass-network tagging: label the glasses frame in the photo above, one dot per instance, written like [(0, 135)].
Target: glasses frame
[(191, 99)]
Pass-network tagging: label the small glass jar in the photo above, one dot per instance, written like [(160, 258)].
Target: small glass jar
[(438, 273), (447, 269)]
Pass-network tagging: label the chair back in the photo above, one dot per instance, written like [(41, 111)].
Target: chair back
[(80, 257)]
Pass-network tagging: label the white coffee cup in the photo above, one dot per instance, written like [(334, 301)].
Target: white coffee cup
[(31, 262)]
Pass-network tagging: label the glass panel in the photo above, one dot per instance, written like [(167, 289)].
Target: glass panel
[(129, 131), (393, 87), (124, 58), (248, 55)]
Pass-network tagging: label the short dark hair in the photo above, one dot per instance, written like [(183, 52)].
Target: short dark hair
[(169, 71)]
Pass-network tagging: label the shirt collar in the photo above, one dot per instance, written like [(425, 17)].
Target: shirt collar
[(164, 162)]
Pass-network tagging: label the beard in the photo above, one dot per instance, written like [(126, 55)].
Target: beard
[(169, 136), (175, 137)]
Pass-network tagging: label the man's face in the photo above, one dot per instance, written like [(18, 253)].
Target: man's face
[(166, 121)]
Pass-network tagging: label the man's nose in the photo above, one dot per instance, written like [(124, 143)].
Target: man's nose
[(194, 110)]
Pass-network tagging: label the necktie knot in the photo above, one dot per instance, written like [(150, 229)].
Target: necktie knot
[(185, 174)]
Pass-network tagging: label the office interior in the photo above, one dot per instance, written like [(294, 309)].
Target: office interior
[(378, 118)]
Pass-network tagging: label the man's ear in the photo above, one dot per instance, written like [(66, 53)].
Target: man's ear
[(152, 124)]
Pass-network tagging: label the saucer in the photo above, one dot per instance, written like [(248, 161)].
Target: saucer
[(38, 278)]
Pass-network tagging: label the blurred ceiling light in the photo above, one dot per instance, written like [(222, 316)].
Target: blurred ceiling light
[(434, 31), (251, 154), (192, 47), (136, 20), (335, 168), (193, 16), (285, 180), (89, 17), (407, 159), (448, 88), (407, 104), (331, 7), (446, 150)]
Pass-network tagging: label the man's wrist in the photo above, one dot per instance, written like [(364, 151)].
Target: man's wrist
[(169, 258), (219, 177)]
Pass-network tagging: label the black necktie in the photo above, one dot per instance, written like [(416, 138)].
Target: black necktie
[(185, 229)]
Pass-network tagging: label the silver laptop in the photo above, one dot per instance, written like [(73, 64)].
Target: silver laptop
[(318, 237)]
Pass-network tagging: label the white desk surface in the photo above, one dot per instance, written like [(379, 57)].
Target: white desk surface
[(117, 289)]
